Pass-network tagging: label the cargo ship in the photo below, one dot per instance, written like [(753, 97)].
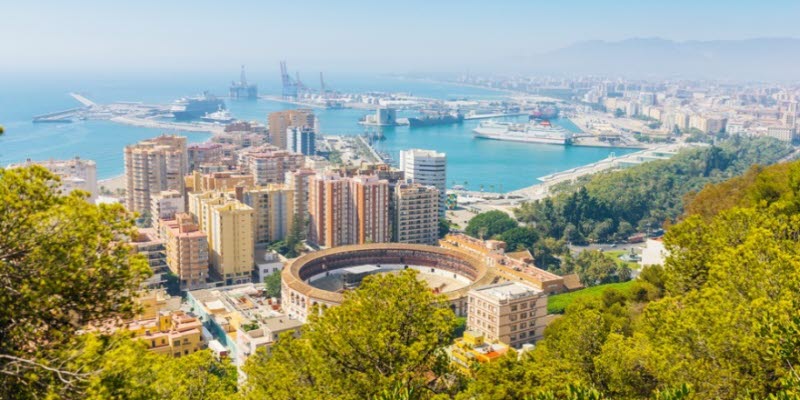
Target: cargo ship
[(532, 132), (435, 118), (189, 108)]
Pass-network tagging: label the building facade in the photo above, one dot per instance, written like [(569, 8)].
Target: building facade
[(152, 166), (426, 167), (416, 214), (75, 174), (348, 210), (187, 251), (280, 121), (509, 312)]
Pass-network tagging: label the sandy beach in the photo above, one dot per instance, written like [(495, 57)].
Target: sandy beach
[(112, 184)]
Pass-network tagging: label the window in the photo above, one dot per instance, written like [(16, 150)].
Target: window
[(523, 325), (514, 308), (523, 315), (513, 317), (514, 328), (522, 335), (523, 305)]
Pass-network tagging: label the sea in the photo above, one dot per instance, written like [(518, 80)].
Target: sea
[(477, 164)]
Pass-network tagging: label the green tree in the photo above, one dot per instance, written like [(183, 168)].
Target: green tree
[(272, 284), (489, 224), (399, 347), (594, 268), (444, 227), (618, 113), (520, 238), (63, 263), (127, 370)]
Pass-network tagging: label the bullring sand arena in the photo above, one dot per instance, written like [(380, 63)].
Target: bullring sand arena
[(321, 277)]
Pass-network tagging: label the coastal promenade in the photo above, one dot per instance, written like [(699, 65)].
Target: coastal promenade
[(542, 190)]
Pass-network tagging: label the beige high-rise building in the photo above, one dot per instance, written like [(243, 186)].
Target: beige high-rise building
[(187, 250), (152, 166), (228, 180), (416, 214), (281, 120), (511, 312), (346, 210), (298, 181), (230, 238), (273, 208), (270, 165)]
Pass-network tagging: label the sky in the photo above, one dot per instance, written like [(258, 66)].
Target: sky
[(341, 35)]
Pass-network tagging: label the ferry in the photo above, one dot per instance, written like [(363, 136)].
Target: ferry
[(532, 132), (221, 116)]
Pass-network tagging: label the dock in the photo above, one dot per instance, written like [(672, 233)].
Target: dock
[(170, 126)]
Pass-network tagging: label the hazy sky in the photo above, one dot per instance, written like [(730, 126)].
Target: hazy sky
[(336, 35)]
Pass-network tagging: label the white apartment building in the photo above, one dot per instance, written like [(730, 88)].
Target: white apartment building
[(426, 167)]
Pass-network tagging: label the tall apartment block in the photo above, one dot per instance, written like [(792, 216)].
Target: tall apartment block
[(280, 121), (75, 174), (166, 204), (345, 210), (153, 166), (416, 214), (427, 167), (187, 250), (301, 139), (230, 237), (371, 200), (227, 180), (509, 312), (298, 181), (270, 165), (273, 209)]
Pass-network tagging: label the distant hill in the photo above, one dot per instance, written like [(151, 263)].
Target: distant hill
[(751, 59)]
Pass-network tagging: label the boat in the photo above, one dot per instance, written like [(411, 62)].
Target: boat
[(189, 108), (435, 118), (221, 116), (531, 132), (544, 112)]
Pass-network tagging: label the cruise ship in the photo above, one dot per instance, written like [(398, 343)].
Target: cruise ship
[(532, 132), (196, 107)]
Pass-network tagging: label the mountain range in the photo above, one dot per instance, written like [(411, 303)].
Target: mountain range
[(772, 59)]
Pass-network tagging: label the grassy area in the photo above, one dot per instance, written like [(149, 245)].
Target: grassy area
[(615, 254), (557, 303)]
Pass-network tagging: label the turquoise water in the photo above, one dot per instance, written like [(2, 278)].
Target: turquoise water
[(494, 165)]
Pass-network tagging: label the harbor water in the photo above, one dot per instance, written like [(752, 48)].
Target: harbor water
[(474, 163)]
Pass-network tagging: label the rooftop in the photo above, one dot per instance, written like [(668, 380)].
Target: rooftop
[(508, 291)]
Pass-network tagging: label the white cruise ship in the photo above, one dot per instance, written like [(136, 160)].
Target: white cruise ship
[(532, 132)]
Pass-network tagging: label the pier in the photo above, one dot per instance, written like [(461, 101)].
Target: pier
[(170, 126)]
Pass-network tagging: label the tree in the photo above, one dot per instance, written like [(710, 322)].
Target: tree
[(594, 268), (444, 228), (618, 113), (520, 238), (494, 223), (399, 347), (272, 284), (63, 263), (127, 370)]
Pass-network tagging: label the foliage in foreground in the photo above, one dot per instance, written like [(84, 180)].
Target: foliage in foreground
[(387, 335)]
